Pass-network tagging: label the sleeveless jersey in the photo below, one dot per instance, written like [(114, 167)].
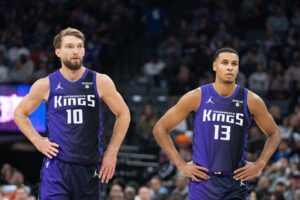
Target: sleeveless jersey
[(221, 129), (74, 116)]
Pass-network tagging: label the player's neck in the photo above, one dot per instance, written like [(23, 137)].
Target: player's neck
[(72, 75), (224, 89)]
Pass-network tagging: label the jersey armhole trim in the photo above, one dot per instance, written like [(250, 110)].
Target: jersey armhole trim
[(50, 89), (95, 86), (246, 107), (200, 104)]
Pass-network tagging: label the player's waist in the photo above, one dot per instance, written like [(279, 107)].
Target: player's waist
[(220, 173), (213, 172)]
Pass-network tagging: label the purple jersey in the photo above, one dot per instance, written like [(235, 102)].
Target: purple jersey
[(221, 129), (74, 115)]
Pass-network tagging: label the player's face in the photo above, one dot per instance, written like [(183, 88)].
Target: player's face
[(226, 67), (71, 52)]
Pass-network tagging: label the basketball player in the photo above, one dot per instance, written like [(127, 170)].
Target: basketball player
[(222, 114), (73, 148)]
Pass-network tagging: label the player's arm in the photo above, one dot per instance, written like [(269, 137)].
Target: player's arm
[(38, 93), (117, 105), (267, 124), (187, 104)]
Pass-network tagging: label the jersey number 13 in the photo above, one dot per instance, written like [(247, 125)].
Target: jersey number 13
[(222, 132)]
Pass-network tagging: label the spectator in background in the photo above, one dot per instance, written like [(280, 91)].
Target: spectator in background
[(278, 20), (129, 192), (154, 66), (181, 187), (156, 21), (259, 81), (276, 113), (283, 150), (292, 75), (116, 192), (3, 69), (286, 128), (155, 69), (241, 79), (295, 20), (21, 193), (255, 143), (157, 190), (170, 49), (183, 82), (279, 88), (259, 53), (141, 79), (31, 197), (279, 169), (294, 191), (270, 40), (18, 49), (248, 63), (42, 70), (144, 193), (263, 186), (6, 173), (166, 170), (277, 196), (281, 185), (22, 70), (145, 125), (17, 178)]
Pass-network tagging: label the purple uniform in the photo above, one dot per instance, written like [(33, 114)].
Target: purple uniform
[(220, 138), (74, 115)]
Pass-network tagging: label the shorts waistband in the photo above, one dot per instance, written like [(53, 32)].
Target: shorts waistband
[(221, 173)]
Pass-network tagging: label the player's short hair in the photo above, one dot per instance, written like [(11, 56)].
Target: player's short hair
[(65, 32), (224, 49)]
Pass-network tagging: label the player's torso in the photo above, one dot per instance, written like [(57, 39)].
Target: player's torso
[(74, 117), (220, 130)]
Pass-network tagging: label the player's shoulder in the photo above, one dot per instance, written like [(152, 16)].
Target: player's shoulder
[(42, 83), (253, 97), (255, 102), (102, 77), (193, 95), (195, 92), (191, 99), (40, 88)]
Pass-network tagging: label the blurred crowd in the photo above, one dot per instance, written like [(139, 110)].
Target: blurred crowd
[(156, 51)]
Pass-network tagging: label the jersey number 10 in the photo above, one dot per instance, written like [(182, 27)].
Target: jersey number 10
[(224, 134), (74, 116)]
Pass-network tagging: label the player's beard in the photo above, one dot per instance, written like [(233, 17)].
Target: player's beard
[(72, 64)]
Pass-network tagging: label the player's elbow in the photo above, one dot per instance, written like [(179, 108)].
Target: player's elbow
[(17, 115), (127, 114), (278, 135), (158, 129), (124, 115)]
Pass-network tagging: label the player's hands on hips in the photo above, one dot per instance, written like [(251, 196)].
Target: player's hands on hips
[(108, 167), (249, 171), (46, 147), (195, 172)]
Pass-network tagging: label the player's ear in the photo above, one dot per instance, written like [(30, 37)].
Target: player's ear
[(57, 52), (214, 65), (83, 52)]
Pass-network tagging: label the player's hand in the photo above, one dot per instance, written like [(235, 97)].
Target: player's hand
[(195, 172), (108, 167), (249, 171), (46, 147)]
